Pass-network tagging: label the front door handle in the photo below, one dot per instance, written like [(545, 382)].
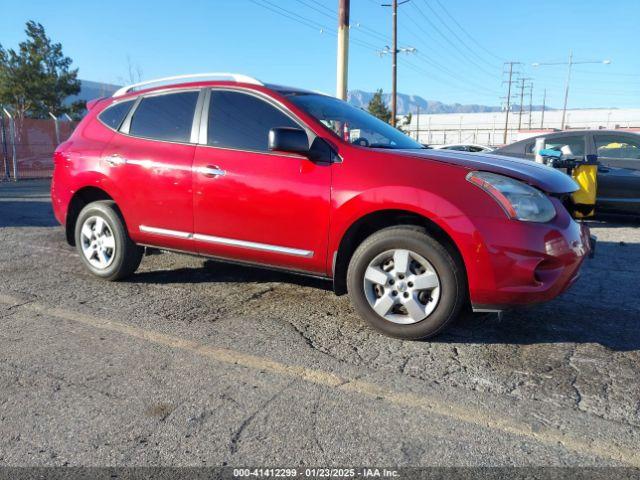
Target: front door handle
[(212, 171)]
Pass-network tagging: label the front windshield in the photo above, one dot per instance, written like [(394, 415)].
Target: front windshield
[(350, 123)]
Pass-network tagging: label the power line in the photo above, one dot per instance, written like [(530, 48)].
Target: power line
[(467, 33), (443, 69), (448, 40), (435, 78), (308, 22), (431, 40), (422, 57), (453, 32), (293, 16), (330, 10), (331, 15)]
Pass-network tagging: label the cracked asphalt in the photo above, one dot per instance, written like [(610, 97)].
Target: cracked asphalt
[(194, 362)]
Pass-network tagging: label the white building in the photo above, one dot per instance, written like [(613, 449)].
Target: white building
[(488, 128)]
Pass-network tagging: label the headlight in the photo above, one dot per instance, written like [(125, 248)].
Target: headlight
[(519, 200)]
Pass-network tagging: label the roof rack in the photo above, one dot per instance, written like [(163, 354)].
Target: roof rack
[(235, 77)]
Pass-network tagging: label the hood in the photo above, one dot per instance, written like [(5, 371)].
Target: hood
[(545, 178)]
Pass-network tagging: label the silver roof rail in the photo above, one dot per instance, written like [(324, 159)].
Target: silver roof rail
[(235, 77)]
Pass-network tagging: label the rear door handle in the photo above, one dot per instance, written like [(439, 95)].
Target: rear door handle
[(115, 160), (212, 171)]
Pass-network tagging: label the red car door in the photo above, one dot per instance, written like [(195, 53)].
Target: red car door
[(252, 204), (150, 160)]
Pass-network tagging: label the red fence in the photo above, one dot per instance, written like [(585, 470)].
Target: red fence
[(28, 145)]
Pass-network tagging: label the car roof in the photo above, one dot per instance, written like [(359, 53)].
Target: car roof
[(562, 133), (200, 80), (578, 132)]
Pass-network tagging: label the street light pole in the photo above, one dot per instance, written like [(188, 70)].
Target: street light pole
[(569, 64)]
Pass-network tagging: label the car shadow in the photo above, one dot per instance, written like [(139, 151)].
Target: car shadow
[(222, 272), (601, 308)]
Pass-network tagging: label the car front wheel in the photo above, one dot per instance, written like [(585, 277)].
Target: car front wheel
[(406, 284)]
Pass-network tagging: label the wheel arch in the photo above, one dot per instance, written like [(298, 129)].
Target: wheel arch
[(372, 222), (79, 200)]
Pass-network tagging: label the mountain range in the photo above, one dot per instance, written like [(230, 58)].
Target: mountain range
[(411, 103), (359, 98)]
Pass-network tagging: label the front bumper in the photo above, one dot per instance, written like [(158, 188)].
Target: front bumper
[(526, 263)]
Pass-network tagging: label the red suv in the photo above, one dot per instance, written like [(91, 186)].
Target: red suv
[(233, 169)]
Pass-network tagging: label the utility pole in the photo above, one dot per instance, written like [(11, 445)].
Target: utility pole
[(418, 124), (394, 56), (522, 80), (394, 64), (544, 104), (343, 49), (530, 103), (509, 82), (569, 64)]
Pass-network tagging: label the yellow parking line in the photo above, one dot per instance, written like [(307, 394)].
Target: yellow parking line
[(473, 416)]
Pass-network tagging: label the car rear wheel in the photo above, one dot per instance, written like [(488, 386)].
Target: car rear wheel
[(103, 242), (406, 284)]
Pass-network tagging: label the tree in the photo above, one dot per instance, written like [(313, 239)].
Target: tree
[(36, 79), (377, 108), (406, 121)]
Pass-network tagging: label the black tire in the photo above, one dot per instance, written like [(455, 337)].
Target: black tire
[(126, 255), (451, 273)]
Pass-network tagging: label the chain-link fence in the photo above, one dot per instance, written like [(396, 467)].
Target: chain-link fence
[(27, 145)]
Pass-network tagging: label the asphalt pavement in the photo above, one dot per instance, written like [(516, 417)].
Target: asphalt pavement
[(192, 362)]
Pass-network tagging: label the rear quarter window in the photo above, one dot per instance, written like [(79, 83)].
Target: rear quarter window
[(113, 116)]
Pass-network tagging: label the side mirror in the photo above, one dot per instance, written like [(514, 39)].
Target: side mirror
[(286, 139), (295, 140)]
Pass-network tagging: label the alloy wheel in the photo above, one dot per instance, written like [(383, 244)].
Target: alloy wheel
[(402, 286), (98, 242)]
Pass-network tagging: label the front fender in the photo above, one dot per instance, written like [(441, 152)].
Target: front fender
[(429, 205)]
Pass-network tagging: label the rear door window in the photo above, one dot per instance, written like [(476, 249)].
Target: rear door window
[(166, 117)]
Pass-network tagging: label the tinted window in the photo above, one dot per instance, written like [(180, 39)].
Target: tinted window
[(618, 146), (241, 121), (114, 115), (572, 145), (165, 117)]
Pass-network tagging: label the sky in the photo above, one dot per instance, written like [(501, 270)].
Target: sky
[(461, 44)]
